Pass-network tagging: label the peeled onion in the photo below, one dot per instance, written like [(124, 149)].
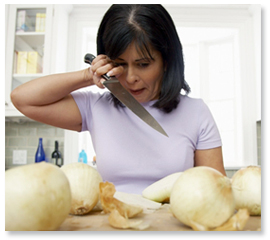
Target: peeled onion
[(160, 190), (246, 185), (137, 200), (202, 196), (37, 197), (84, 183)]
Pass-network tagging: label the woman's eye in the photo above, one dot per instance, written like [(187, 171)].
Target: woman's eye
[(143, 65), (121, 64)]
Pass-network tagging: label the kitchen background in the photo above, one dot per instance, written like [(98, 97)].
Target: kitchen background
[(24, 136), (222, 53)]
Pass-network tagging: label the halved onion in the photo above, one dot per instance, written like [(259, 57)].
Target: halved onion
[(160, 190)]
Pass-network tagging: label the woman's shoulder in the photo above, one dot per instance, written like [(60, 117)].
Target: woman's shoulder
[(90, 95), (188, 101)]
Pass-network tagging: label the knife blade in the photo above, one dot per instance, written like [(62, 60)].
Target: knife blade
[(127, 99)]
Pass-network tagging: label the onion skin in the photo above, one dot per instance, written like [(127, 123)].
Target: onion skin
[(204, 196), (37, 197), (246, 185), (84, 184)]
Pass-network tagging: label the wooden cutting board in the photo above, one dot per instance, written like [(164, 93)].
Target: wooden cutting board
[(159, 220)]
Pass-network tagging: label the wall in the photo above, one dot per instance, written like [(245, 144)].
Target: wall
[(231, 172), (259, 142), (25, 136)]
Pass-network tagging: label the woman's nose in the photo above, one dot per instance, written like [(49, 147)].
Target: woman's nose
[(131, 76)]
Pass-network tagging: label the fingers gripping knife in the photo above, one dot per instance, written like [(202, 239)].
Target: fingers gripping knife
[(127, 99)]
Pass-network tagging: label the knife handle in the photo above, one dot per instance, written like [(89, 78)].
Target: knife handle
[(88, 58)]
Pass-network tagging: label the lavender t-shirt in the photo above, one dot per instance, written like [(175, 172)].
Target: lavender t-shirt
[(131, 154)]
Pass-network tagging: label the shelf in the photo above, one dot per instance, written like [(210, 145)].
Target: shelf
[(26, 77), (19, 79), (29, 33), (29, 40)]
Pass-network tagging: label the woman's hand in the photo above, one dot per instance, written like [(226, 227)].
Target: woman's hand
[(103, 65)]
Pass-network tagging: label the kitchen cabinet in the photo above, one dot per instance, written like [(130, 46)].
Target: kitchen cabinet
[(36, 36), (51, 43)]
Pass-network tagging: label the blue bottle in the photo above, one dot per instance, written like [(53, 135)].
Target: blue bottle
[(40, 154), (82, 157)]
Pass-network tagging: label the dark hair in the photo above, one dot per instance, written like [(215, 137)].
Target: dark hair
[(146, 25)]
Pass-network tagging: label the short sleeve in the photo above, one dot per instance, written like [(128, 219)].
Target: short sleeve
[(85, 101), (208, 135)]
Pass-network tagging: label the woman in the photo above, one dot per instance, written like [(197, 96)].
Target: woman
[(139, 45)]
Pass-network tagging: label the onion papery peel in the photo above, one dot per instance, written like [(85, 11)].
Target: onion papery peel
[(236, 223), (120, 212)]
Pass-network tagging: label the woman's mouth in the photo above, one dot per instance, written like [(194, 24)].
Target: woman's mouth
[(136, 92)]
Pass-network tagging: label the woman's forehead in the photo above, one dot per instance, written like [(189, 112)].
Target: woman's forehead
[(139, 50)]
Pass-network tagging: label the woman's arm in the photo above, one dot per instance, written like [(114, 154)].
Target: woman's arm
[(48, 100), (211, 158)]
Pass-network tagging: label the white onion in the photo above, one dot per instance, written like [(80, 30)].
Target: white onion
[(136, 200), (160, 191), (246, 185), (203, 196), (37, 197), (84, 183)]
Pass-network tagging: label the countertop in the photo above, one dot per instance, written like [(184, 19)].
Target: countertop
[(158, 220)]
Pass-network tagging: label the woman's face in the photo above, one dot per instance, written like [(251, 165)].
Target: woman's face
[(142, 77)]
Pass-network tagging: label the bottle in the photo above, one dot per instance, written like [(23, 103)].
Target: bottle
[(82, 157), (40, 154), (56, 155)]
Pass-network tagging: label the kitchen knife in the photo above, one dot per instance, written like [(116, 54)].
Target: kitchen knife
[(126, 98)]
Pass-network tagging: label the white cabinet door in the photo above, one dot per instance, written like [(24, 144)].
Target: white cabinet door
[(28, 47)]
